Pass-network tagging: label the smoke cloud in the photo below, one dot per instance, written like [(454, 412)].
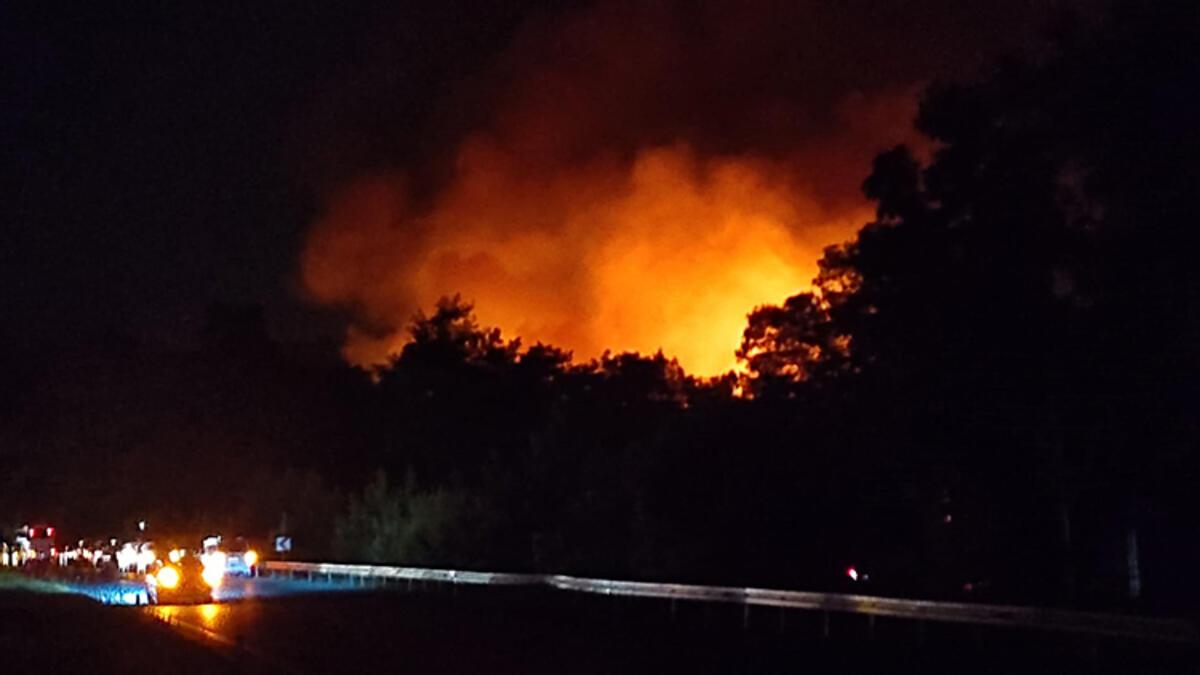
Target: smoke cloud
[(640, 177)]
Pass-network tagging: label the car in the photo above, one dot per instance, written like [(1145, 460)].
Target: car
[(240, 559), (235, 559), (183, 581)]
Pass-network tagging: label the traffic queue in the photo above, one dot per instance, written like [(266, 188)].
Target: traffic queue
[(172, 574)]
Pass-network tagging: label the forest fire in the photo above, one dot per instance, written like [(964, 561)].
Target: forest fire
[(667, 252), (616, 195)]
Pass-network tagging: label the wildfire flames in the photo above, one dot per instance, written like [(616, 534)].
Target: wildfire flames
[(669, 253), (612, 201)]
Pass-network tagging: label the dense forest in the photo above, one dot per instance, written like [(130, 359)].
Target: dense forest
[(989, 393)]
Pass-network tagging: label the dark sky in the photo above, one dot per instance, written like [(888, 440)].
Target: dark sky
[(158, 153), (164, 156)]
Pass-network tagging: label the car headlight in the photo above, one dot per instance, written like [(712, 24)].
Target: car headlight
[(251, 558), (168, 577), (212, 576), (214, 560)]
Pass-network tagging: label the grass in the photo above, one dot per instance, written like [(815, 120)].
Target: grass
[(11, 580)]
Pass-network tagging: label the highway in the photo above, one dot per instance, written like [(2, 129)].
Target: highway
[(508, 624), (285, 626), (445, 632)]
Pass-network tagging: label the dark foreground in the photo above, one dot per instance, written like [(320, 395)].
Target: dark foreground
[(497, 631), (61, 633)]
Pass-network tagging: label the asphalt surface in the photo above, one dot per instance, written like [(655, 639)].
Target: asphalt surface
[(57, 632), (284, 626), (291, 627)]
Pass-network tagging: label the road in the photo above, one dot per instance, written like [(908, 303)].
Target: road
[(132, 592), (47, 630), (292, 627), (445, 633)]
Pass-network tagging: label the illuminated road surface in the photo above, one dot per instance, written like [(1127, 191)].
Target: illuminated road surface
[(243, 588), (278, 627), (130, 592), (269, 625)]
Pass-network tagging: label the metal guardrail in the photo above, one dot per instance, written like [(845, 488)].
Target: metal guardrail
[(412, 573), (1091, 623)]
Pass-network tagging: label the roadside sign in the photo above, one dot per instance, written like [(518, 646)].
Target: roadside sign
[(283, 544)]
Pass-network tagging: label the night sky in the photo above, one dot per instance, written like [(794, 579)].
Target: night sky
[(159, 154), (168, 156)]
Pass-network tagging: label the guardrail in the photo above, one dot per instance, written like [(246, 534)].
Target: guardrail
[(411, 573), (1091, 623)]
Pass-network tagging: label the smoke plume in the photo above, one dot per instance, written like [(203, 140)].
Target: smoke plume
[(640, 176)]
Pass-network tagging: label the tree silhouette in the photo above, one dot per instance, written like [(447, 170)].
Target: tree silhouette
[(787, 345), (1022, 311)]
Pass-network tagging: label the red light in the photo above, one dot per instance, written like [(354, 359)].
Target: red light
[(852, 573), (49, 531)]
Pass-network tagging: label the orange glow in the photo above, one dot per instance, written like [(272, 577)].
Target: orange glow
[(209, 614), (667, 252), (168, 577), (639, 179)]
